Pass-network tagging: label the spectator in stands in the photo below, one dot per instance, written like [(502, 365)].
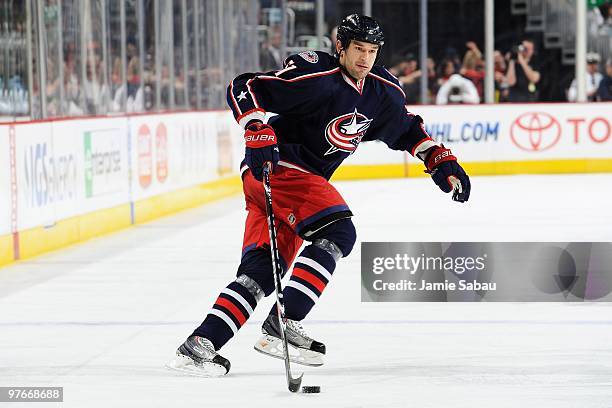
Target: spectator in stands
[(398, 65), (270, 56), (116, 74), (409, 78), (148, 95), (451, 54), (72, 88), (501, 82), (472, 67), (457, 90), (95, 90), (593, 78), (131, 51), (135, 94), (165, 84), (14, 96), (52, 90), (445, 70), (523, 73), (432, 79), (405, 68), (604, 92)]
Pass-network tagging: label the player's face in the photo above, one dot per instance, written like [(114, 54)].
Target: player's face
[(358, 59)]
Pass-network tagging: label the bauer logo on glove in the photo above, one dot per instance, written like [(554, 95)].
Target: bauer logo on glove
[(260, 147), (447, 173), (250, 139)]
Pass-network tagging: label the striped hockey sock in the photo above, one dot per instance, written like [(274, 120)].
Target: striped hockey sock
[(312, 272), (233, 307)]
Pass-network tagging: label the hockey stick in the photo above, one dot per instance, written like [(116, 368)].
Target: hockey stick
[(292, 383)]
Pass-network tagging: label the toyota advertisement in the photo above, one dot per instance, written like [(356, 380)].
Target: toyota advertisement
[(523, 132)]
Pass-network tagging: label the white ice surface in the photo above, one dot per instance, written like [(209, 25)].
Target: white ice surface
[(101, 318)]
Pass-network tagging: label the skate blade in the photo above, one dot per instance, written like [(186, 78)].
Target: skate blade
[(273, 347), (186, 365)]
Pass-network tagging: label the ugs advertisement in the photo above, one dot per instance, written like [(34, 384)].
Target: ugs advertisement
[(486, 271)]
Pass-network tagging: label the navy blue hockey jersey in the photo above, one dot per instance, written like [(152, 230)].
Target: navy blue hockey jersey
[(323, 113)]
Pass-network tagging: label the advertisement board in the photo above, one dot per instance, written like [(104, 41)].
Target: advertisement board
[(170, 152), (68, 168), (43, 179), (100, 150), (524, 132), (507, 132)]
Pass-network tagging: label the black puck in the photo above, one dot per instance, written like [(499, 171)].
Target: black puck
[(311, 389)]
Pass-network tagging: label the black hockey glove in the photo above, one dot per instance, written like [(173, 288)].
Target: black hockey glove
[(260, 148), (447, 173)]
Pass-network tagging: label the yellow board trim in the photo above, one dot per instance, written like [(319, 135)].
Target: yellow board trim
[(6, 249), (370, 171), (169, 203), (562, 166), (541, 167), (35, 241)]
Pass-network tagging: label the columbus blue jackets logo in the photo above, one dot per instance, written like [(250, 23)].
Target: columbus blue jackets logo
[(345, 132), (310, 56)]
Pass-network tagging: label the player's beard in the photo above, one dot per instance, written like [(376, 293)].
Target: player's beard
[(359, 73), (353, 70)]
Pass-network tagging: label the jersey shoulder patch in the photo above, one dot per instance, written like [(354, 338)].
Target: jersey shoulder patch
[(311, 61), (310, 56), (306, 63)]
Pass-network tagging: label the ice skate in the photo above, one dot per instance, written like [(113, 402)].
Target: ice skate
[(302, 349), (197, 356)]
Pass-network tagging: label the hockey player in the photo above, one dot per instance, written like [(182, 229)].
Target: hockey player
[(326, 106)]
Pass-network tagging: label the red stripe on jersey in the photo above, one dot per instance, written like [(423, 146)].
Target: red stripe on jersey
[(307, 76), (248, 85), (310, 278), (232, 308), (388, 83)]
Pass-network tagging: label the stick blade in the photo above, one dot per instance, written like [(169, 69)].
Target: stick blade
[(295, 383)]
